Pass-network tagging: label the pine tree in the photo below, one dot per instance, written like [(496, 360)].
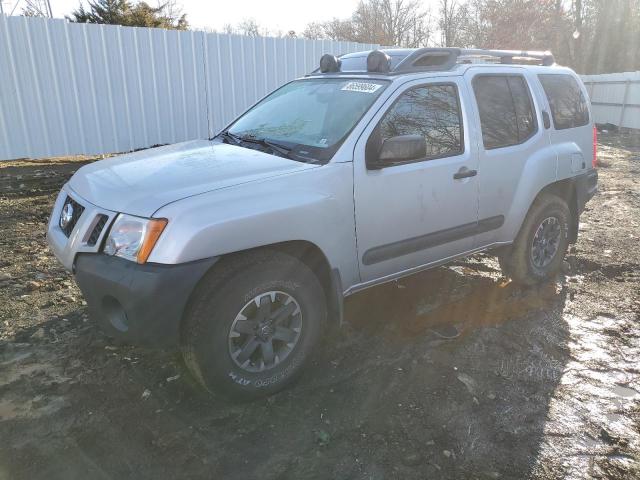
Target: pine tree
[(124, 12)]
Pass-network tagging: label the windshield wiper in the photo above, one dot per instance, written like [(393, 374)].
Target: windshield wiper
[(275, 147), (226, 135)]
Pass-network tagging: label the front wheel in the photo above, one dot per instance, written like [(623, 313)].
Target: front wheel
[(538, 251), (252, 325)]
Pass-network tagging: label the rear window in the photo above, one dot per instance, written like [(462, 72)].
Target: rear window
[(569, 108), (506, 110)]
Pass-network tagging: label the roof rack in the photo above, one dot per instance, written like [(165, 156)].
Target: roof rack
[(510, 56), (435, 59)]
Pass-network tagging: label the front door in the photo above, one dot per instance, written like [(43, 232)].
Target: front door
[(417, 211)]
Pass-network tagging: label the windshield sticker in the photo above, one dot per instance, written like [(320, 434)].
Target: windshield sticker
[(363, 87)]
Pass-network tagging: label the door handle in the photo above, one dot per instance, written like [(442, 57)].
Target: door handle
[(464, 172)]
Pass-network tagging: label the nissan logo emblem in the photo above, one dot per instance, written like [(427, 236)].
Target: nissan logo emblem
[(66, 216)]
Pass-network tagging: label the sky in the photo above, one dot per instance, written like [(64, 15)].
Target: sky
[(275, 15)]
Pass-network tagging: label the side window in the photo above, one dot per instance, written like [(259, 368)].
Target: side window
[(432, 111), (569, 108), (507, 115)]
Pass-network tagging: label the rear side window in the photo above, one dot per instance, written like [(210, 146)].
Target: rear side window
[(432, 111), (507, 115), (568, 106)]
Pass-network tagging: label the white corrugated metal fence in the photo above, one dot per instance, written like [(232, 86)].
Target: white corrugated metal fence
[(68, 88), (615, 98)]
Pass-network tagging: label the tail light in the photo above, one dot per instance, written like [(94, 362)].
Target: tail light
[(594, 160)]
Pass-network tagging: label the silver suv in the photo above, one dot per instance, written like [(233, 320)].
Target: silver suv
[(377, 165)]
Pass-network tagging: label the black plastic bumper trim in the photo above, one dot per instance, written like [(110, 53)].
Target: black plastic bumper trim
[(586, 186), (141, 304)]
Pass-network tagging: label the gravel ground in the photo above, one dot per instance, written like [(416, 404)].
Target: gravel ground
[(542, 383)]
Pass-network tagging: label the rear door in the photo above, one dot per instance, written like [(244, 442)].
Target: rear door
[(508, 112), (572, 130), (424, 210)]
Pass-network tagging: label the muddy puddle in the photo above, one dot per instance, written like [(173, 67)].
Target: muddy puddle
[(468, 296)]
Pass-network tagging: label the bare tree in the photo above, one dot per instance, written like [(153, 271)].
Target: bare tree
[(592, 36), (451, 18), (248, 27), (314, 30), (228, 29), (385, 22), (37, 8), (403, 22), (610, 35), (341, 30), (172, 10)]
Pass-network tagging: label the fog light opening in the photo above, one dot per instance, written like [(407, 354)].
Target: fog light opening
[(115, 313)]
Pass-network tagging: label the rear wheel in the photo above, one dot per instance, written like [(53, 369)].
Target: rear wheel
[(252, 325), (539, 248)]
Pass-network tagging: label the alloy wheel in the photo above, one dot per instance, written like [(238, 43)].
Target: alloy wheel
[(265, 331), (546, 242)]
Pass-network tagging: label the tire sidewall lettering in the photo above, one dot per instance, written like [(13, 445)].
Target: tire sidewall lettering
[(280, 284), (263, 382)]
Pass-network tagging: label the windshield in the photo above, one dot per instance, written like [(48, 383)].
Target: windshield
[(311, 117)]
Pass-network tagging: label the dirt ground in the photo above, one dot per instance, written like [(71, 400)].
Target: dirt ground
[(542, 383)]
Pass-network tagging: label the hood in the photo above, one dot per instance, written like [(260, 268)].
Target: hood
[(140, 183)]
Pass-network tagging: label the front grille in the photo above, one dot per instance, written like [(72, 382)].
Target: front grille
[(97, 230), (69, 216)]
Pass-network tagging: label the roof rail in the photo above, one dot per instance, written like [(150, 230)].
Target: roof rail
[(508, 56), (425, 59)]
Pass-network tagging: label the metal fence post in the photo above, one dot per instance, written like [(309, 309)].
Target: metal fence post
[(624, 102)]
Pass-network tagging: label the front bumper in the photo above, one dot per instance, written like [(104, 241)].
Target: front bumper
[(140, 304)]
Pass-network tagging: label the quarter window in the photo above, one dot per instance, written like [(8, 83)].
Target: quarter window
[(507, 114), (568, 106), (432, 111)]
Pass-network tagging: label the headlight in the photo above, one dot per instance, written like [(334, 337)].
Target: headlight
[(133, 238)]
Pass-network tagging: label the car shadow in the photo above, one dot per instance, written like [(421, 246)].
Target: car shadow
[(387, 396), (475, 405)]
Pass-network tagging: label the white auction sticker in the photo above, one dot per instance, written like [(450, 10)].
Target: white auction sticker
[(363, 87)]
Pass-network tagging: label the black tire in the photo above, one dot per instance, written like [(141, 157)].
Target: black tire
[(228, 291), (519, 262)]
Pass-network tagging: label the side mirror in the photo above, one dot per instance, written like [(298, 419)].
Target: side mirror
[(402, 148)]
